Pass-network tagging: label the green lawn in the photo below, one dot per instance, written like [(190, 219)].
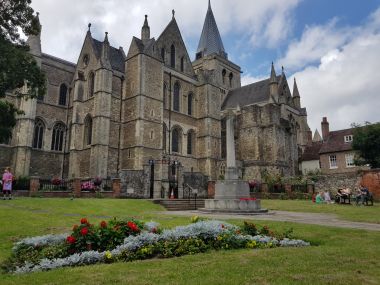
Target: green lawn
[(339, 256), (369, 214)]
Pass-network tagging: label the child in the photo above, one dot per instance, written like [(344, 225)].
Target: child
[(7, 183), (319, 198)]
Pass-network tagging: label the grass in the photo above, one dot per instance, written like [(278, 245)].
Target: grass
[(339, 256), (369, 214)]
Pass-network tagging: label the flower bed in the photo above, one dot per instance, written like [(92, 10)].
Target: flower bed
[(131, 240)]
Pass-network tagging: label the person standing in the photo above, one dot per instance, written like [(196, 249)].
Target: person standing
[(7, 183)]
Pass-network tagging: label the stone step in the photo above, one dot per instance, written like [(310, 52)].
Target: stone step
[(180, 204)]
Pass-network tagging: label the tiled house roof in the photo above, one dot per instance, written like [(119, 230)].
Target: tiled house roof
[(335, 142), (311, 152)]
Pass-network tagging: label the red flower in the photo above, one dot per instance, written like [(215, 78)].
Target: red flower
[(75, 227), (133, 226), (154, 230), (222, 226), (71, 239), (84, 221), (103, 224), (84, 231)]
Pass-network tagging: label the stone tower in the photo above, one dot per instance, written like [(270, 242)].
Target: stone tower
[(217, 76)]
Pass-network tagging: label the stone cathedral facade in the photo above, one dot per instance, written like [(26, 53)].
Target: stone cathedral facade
[(152, 116)]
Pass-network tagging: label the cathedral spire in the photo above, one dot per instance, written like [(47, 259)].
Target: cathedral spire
[(295, 89), (145, 30), (273, 76), (105, 52), (273, 86), (34, 41), (210, 41)]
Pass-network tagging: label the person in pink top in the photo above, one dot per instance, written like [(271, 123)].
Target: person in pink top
[(7, 183)]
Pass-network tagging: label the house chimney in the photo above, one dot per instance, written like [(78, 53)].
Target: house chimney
[(325, 128)]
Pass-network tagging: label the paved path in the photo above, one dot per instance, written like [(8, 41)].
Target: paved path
[(283, 216)]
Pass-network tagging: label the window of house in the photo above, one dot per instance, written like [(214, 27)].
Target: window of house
[(38, 135), (91, 84), (176, 140), (224, 76), (190, 142), (190, 104), (333, 162), (176, 96), (62, 95), (163, 54), (172, 56), (88, 131), (350, 160), (182, 64), (348, 138), (57, 137)]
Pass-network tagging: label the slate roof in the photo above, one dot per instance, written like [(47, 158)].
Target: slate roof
[(210, 41), (335, 142), (312, 151), (247, 95), (116, 55)]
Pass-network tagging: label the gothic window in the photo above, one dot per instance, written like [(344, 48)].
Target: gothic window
[(80, 92), (231, 76), (176, 140), (164, 131), (190, 104), (88, 131), (38, 136), (176, 96), (182, 64), (190, 142), (172, 56), (224, 76), (164, 95), (163, 54), (62, 95), (57, 137), (91, 84)]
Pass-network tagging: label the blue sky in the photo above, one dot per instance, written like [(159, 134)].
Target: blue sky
[(331, 47)]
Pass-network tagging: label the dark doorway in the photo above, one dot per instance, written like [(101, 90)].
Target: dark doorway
[(151, 188)]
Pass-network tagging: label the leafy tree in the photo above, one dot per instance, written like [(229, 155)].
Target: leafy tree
[(17, 66), (367, 142)]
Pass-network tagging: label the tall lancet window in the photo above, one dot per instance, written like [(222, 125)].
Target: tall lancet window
[(176, 140), (62, 95), (190, 104), (88, 131), (91, 84), (38, 137), (57, 137), (176, 97), (172, 56)]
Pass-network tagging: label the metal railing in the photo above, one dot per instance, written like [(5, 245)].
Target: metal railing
[(51, 185)]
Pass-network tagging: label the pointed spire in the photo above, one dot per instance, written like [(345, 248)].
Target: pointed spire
[(210, 41), (105, 52), (282, 70), (106, 38), (317, 137), (173, 14), (295, 89), (34, 41), (145, 30), (89, 29), (273, 76)]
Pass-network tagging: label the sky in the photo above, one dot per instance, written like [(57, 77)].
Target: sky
[(331, 47)]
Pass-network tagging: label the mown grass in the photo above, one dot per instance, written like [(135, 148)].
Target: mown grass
[(339, 256), (369, 214)]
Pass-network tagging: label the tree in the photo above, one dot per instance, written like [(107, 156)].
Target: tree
[(366, 141), (17, 66)]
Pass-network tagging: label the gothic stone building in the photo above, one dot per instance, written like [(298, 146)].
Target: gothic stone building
[(152, 116)]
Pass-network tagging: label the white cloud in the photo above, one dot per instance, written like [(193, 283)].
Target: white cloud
[(65, 22), (344, 86)]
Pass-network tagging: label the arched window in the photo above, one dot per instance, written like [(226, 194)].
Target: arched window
[(172, 56), (176, 140), (163, 54), (91, 84), (190, 104), (80, 92), (182, 64), (224, 76), (38, 136), (230, 77), (62, 95), (165, 95), (176, 96), (57, 137), (190, 142), (88, 130), (164, 131)]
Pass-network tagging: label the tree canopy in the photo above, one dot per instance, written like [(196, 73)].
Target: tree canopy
[(366, 141), (17, 66)]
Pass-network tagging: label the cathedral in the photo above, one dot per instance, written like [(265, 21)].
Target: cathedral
[(153, 117)]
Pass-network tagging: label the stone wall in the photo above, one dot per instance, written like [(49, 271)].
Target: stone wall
[(46, 164), (333, 182), (5, 156), (134, 183), (197, 181)]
